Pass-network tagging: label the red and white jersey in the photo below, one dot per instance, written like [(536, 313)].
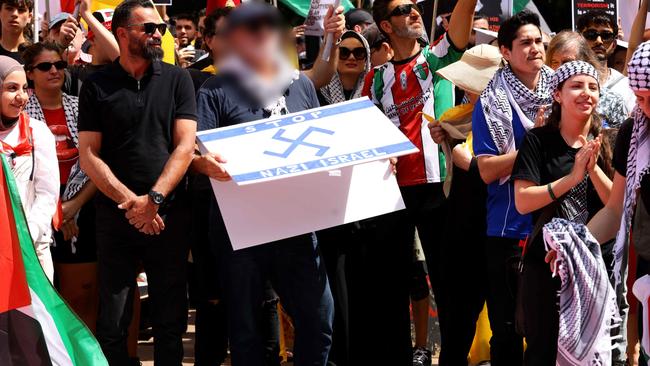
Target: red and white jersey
[(404, 89)]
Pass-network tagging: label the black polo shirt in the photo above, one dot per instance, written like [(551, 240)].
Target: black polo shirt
[(136, 118)]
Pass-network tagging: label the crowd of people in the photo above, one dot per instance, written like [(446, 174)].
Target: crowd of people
[(100, 135)]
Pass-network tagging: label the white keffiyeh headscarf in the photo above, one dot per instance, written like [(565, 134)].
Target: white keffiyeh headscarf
[(588, 309), (506, 92), (638, 158)]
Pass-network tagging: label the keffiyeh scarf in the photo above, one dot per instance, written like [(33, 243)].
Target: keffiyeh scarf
[(506, 92), (77, 178), (269, 93), (588, 307)]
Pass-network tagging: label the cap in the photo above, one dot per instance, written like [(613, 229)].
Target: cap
[(357, 16), (105, 16), (374, 36), (249, 12), (59, 18), (570, 69), (475, 68)]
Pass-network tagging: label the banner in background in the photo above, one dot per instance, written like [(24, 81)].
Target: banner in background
[(581, 7), (315, 18)]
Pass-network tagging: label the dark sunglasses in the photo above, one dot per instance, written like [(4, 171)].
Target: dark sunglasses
[(150, 28), (47, 66), (359, 53), (592, 35), (257, 25), (404, 9)]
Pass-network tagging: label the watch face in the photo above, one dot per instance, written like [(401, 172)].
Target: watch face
[(157, 198)]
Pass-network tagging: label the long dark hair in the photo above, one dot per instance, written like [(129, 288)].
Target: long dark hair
[(595, 129)]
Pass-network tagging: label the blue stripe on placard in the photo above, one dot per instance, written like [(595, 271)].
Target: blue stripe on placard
[(329, 162), (290, 119)]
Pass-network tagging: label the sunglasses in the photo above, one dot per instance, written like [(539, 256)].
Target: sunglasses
[(404, 9), (359, 53), (260, 24), (592, 35), (151, 28), (47, 66)]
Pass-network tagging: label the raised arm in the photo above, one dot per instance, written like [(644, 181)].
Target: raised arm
[(322, 72), (460, 24), (103, 37), (636, 34)]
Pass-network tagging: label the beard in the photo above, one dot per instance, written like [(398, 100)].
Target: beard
[(149, 49), (409, 31)]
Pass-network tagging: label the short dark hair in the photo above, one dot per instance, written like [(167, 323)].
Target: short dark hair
[(122, 13), (30, 53), (187, 16), (210, 22), (380, 11), (509, 28), (29, 4), (596, 17)]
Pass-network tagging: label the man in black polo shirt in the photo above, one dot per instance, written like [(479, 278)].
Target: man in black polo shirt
[(137, 123), (256, 81)]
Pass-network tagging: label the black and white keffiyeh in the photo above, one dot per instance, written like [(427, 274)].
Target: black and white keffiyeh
[(506, 92), (570, 69), (77, 178), (638, 158), (638, 69), (588, 308)]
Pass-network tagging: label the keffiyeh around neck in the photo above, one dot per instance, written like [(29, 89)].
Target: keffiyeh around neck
[(588, 309), (269, 93), (506, 93)]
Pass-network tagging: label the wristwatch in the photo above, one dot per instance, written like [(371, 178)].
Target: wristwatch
[(156, 197)]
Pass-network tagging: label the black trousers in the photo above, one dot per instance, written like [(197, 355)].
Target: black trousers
[(503, 255), (464, 270), (121, 251)]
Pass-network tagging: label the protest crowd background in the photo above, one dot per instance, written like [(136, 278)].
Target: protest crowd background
[(522, 240)]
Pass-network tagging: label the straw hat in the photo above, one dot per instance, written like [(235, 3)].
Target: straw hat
[(475, 68)]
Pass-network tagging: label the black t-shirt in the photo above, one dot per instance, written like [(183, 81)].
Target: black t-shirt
[(621, 150), (15, 55), (136, 118), (544, 157)]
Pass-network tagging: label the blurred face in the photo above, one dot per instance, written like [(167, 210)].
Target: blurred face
[(185, 32), (404, 20), (478, 24), (643, 101), (14, 94), (527, 53), (14, 18), (560, 57), (578, 97), (352, 57), (53, 78), (255, 42), (217, 42), (140, 43), (601, 39), (381, 54)]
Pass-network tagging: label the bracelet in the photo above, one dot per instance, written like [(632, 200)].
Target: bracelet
[(550, 192)]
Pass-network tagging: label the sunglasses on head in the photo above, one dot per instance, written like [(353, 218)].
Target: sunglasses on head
[(592, 35), (404, 9), (359, 53), (47, 66), (150, 28), (260, 24)]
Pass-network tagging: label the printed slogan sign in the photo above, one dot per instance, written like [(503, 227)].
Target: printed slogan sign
[(582, 6), (306, 171)]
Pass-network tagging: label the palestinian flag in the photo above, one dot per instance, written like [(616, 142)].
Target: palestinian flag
[(36, 327)]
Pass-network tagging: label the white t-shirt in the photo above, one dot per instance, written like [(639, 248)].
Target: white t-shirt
[(618, 83)]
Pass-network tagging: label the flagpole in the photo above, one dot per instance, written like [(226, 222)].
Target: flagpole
[(37, 23), (433, 21)]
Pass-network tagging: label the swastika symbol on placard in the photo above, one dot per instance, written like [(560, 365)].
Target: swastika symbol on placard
[(299, 141)]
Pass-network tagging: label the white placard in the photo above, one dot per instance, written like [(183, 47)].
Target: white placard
[(315, 17), (306, 171), (319, 139)]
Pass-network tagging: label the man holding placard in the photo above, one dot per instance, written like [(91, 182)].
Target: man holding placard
[(405, 88), (256, 81)]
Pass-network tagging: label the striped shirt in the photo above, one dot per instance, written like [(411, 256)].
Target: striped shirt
[(404, 89)]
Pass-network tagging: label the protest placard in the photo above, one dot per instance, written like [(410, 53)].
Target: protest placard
[(315, 17), (306, 171), (582, 6)]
